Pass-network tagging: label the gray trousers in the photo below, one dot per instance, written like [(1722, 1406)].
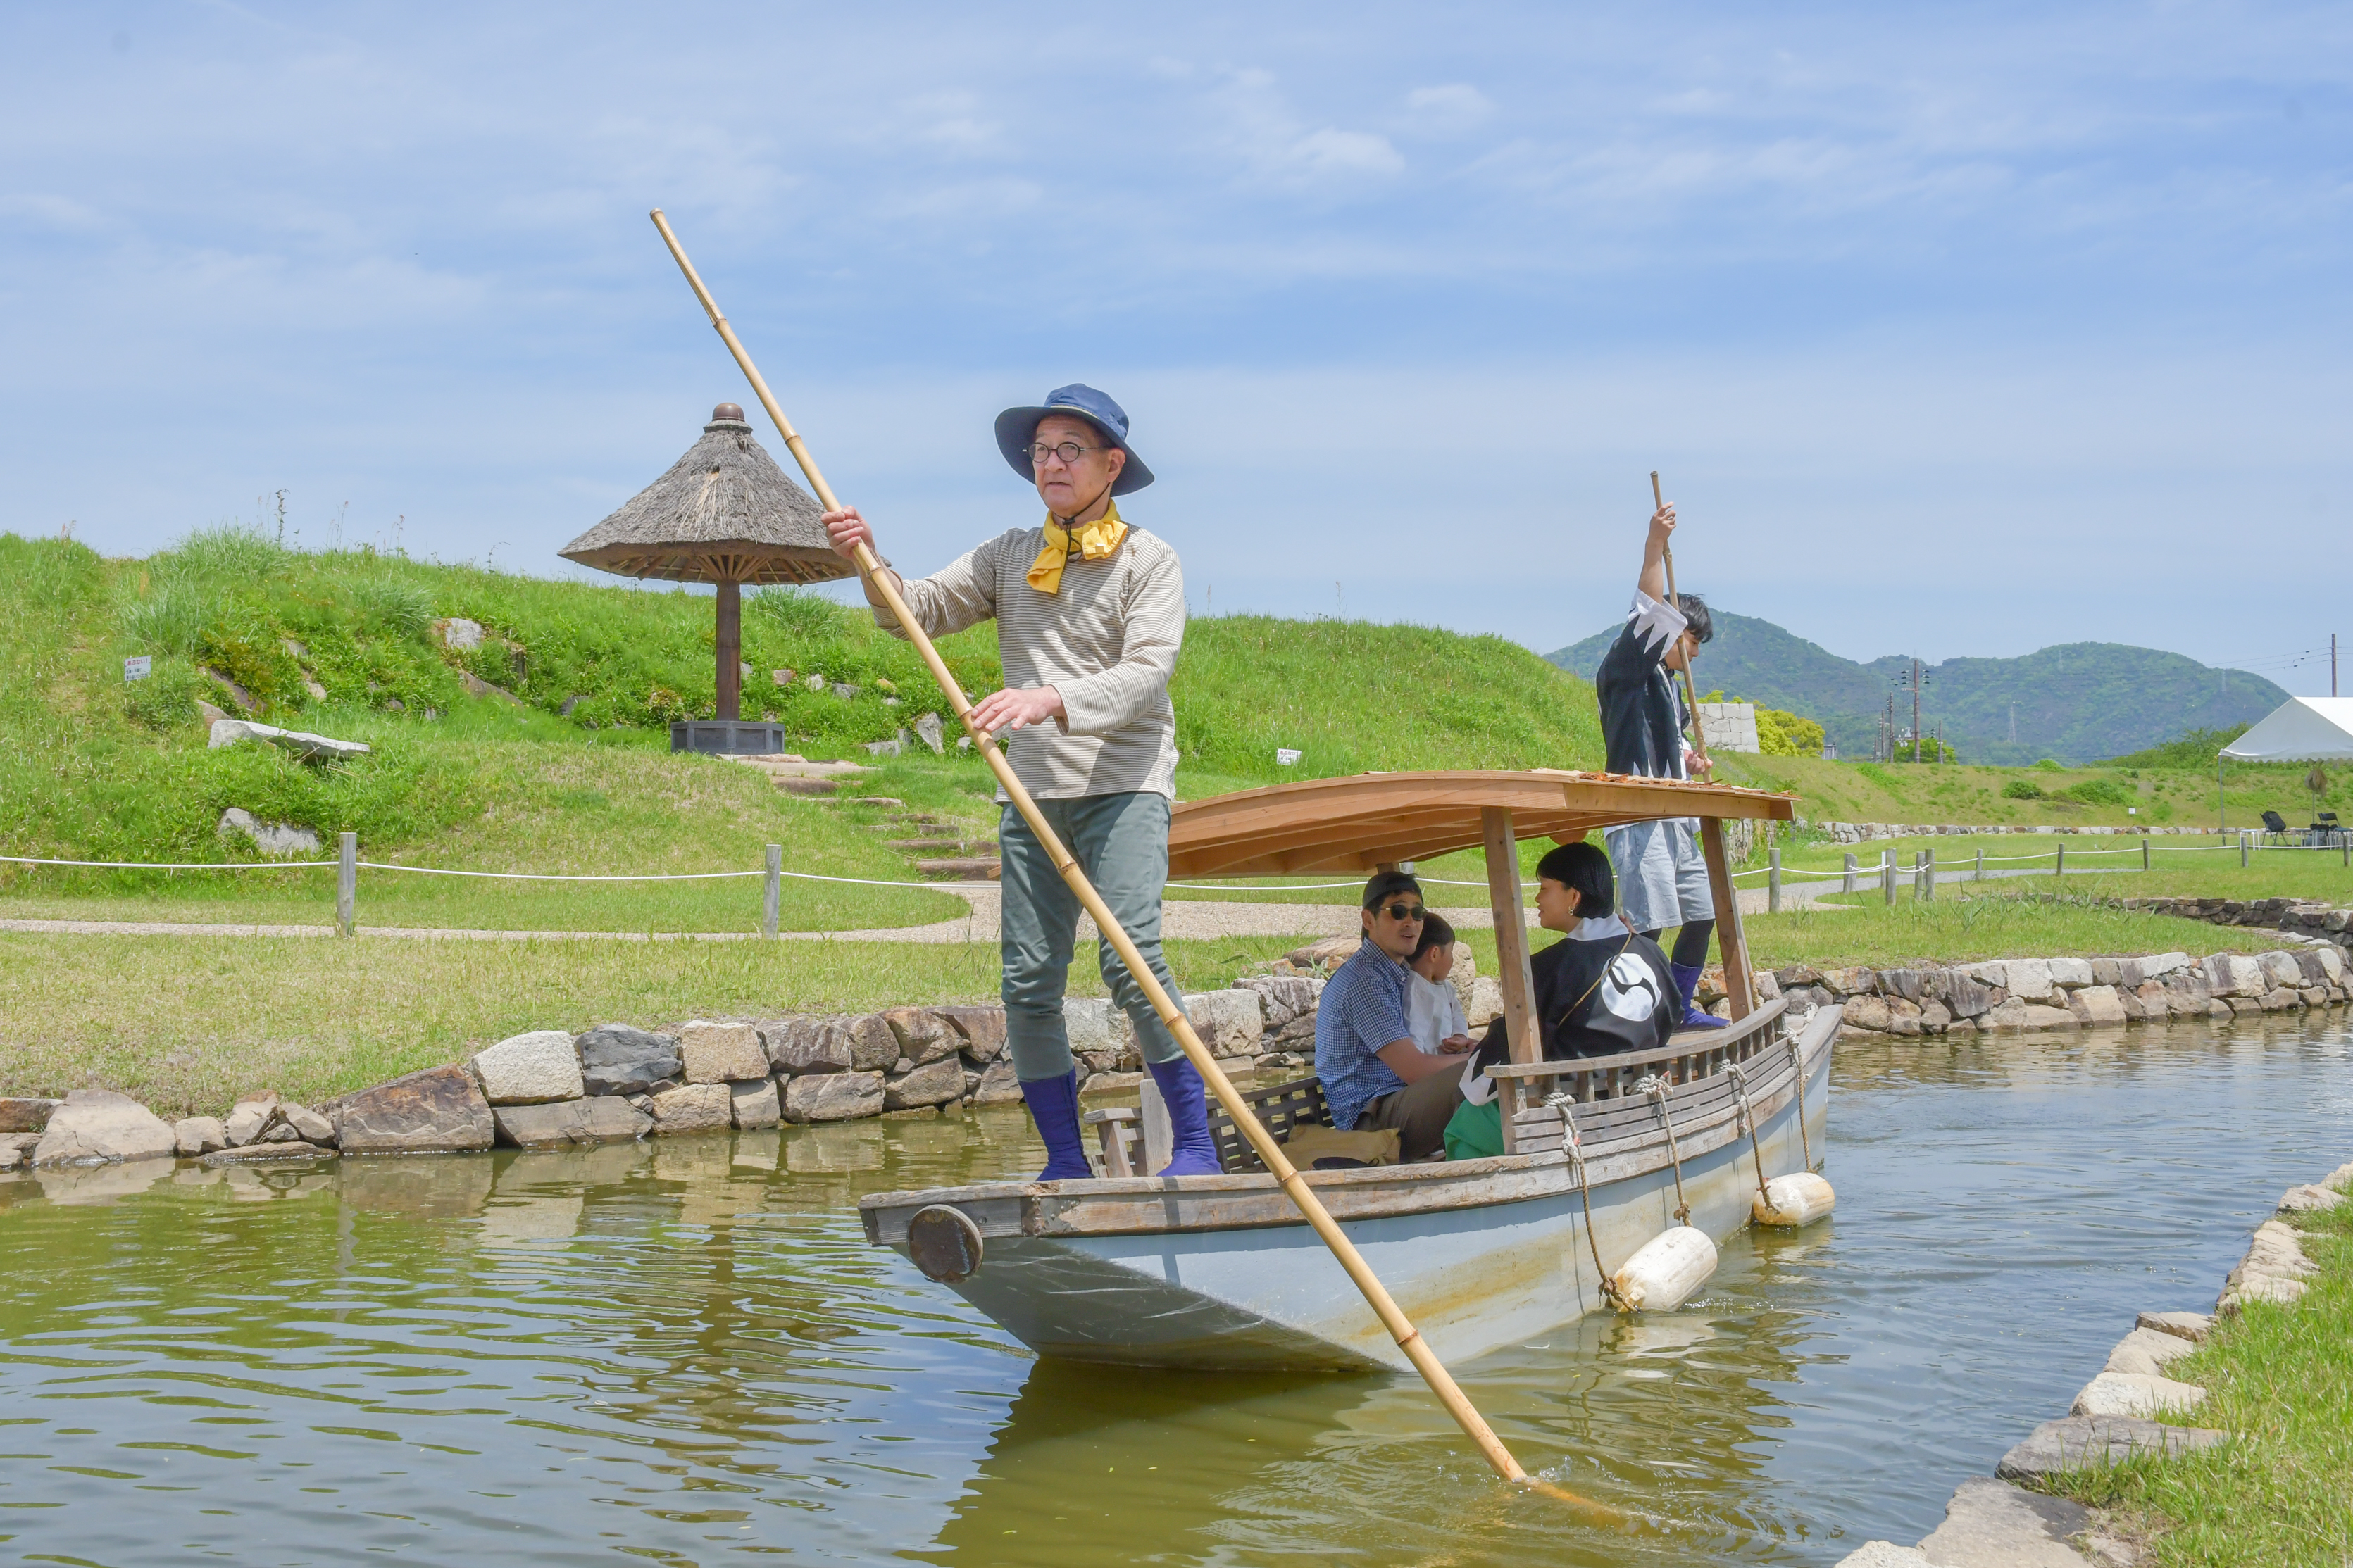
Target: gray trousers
[(1120, 842)]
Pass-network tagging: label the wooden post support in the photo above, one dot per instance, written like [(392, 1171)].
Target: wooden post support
[(2144, 851), (1731, 942), (1853, 866), (347, 884), (1980, 876), (1887, 872), (2059, 867), (1511, 937), (773, 889), (729, 645), (1928, 875), (2242, 849), (1773, 880)]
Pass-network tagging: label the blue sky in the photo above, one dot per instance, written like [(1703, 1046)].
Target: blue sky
[(1953, 330)]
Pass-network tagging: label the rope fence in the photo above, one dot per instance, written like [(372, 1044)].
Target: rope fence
[(1854, 874)]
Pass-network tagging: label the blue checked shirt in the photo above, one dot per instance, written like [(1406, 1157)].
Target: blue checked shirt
[(1363, 1009)]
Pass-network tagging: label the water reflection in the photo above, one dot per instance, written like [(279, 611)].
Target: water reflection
[(685, 1351)]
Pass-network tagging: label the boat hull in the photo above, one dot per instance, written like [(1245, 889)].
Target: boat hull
[(1090, 1281)]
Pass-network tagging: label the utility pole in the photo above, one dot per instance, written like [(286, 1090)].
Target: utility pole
[(1915, 713), (2013, 723), (2332, 664)]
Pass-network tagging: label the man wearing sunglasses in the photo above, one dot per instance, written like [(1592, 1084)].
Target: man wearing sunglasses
[(1090, 611), (1375, 1077)]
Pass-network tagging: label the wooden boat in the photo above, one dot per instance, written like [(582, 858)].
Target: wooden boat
[(1222, 1271)]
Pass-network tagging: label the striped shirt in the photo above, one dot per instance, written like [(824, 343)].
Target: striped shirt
[(1107, 642), (1362, 1009)]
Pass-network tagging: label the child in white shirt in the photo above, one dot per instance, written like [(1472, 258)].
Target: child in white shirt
[(1433, 1007)]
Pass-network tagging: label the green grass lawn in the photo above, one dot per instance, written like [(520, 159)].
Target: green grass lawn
[(2204, 866), (2281, 1379), (188, 1023)]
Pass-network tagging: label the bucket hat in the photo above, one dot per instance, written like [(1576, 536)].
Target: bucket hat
[(1017, 427)]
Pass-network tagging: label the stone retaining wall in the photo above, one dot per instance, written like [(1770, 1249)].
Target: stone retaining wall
[(2009, 994), (551, 1088), (2311, 919), (1862, 832)]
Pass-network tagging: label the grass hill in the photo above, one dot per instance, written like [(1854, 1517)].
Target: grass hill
[(545, 748), (2076, 702)]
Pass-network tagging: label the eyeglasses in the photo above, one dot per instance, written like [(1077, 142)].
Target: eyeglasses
[(1404, 911), (1068, 451)]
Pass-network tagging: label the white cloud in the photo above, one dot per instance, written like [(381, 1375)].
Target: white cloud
[(1448, 110)]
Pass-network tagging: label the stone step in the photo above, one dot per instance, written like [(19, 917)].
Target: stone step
[(962, 869), (808, 786), (876, 800), (940, 846)]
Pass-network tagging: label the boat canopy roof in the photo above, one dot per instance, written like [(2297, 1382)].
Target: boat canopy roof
[(1369, 820)]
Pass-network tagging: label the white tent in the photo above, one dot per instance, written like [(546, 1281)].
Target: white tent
[(2304, 730)]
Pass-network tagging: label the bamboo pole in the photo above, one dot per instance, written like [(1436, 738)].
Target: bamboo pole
[(1691, 690), (1294, 1185)]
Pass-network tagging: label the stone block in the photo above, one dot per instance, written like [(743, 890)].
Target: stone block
[(983, 1028), (800, 1044), (529, 1069), (2155, 1004), (2310, 1198), (250, 1119), (873, 1046), (2233, 974), (2282, 1000), (615, 1058), (1865, 1011), (1967, 995), (2309, 969), (1903, 982), (1936, 1018), (756, 1105), (2008, 1018), (693, 1107), (934, 1083), (834, 1096), (1991, 1522), (1903, 1017), (2095, 1005), (1797, 974), (198, 1135), (1094, 1025), (19, 1114), (997, 1085), (1767, 989), (2091, 1442), (2192, 1326), (2332, 964), (2108, 972), (2282, 969), (923, 1034), (722, 1053), (560, 1124), (1854, 981), (1885, 1555), (1486, 1005), (2132, 1393), (1229, 1022), (2038, 1018), (306, 1123), (2146, 1352), (2029, 979), (2158, 965), (440, 1110), (2071, 974), (97, 1126)]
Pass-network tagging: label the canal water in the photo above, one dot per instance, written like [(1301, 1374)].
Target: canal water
[(685, 1353)]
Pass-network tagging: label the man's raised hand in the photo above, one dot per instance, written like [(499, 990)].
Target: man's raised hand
[(1663, 523), (847, 531)]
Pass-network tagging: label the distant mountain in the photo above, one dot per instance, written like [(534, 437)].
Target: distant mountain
[(2078, 702)]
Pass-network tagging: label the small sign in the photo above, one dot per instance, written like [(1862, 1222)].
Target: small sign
[(1285, 757), (136, 669)]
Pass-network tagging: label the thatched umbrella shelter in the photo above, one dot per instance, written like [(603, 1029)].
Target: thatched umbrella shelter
[(725, 514)]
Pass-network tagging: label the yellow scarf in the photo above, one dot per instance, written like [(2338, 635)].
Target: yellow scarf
[(1097, 541)]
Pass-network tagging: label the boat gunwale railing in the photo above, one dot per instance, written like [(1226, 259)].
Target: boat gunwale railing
[(1625, 1143)]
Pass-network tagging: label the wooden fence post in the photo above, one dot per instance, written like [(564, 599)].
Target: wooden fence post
[(347, 884)]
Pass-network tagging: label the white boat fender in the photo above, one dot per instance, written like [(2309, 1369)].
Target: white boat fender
[(1664, 1271), (1792, 1201)]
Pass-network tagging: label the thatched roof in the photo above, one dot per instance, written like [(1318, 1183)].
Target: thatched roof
[(724, 513)]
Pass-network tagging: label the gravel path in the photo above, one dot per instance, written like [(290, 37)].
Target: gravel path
[(1186, 918)]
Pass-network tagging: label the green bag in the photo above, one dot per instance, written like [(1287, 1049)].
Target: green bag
[(1475, 1132)]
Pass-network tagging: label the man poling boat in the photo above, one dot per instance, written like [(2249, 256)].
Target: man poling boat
[(1090, 613)]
